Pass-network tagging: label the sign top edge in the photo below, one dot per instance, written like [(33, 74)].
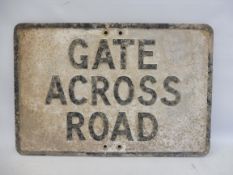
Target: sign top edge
[(205, 27)]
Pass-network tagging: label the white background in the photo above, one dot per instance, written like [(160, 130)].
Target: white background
[(217, 13)]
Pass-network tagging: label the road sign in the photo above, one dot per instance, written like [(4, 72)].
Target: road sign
[(113, 89)]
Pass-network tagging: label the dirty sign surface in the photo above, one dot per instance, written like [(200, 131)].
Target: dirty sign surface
[(113, 89)]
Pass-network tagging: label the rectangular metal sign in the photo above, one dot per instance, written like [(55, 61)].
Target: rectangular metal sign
[(113, 89)]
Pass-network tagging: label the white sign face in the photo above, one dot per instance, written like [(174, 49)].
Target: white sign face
[(113, 89)]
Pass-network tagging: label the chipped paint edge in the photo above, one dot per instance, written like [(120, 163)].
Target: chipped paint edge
[(204, 27)]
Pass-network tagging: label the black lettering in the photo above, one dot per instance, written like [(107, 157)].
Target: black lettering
[(131, 90), (141, 117), (55, 91), (121, 119), (103, 48), (105, 126), (124, 43), (142, 53), (100, 91), (171, 90), (148, 90), (83, 58), (71, 126), (71, 90)]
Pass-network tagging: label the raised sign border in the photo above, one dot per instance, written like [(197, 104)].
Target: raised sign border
[(87, 26)]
